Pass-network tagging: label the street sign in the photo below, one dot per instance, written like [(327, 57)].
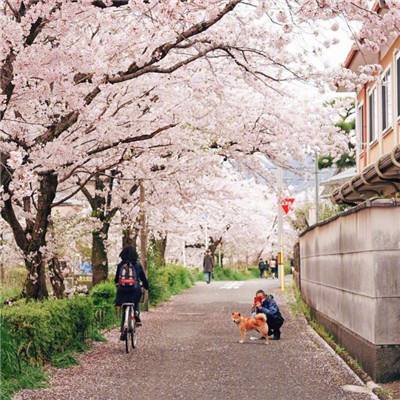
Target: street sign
[(286, 203)]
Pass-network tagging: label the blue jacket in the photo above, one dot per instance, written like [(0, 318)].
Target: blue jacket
[(269, 308)]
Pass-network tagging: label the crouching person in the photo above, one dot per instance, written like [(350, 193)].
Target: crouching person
[(267, 305)]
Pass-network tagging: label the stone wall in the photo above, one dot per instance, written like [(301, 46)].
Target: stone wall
[(350, 277)]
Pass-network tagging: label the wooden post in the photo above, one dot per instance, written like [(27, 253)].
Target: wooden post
[(143, 239)]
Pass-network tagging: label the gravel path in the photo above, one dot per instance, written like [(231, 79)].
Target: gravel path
[(188, 349)]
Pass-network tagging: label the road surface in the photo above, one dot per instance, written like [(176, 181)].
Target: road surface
[(189, 349)]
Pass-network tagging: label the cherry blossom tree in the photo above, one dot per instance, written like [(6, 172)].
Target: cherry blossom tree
[(78, 99)]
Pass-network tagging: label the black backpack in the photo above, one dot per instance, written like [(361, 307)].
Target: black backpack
[(128, 276)]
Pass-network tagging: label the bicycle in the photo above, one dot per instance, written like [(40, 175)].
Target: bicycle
[(128, 327)]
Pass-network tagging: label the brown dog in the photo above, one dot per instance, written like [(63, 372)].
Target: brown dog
[(258, 323)]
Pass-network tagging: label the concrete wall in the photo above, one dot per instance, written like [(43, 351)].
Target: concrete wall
[(350, 277)]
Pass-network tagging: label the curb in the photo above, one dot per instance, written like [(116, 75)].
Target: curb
[(375, 390), (370, 385)]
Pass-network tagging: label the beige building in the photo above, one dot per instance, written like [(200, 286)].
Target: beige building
[(377, 126)]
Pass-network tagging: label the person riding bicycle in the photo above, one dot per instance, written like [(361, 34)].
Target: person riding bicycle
[(130, 278)]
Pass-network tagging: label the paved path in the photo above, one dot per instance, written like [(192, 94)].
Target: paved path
[(188, 349)]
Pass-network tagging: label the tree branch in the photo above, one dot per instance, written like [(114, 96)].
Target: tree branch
[(134, 71), (131, 140)]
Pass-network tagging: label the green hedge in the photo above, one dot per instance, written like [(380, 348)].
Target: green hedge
[(230, 274), (167, 281), (50, 331)]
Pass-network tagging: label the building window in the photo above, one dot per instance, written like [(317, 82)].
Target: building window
[(372, 121), (360, 127), (398, 85), (386, 101)]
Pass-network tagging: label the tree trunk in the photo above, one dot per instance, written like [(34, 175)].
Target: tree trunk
[(163, 248), (213, 246), (35, 283), (99, 258), (159, 246), (2, 273), (56, 277), (129, 237)]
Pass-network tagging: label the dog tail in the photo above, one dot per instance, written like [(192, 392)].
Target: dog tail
[(261, 316)]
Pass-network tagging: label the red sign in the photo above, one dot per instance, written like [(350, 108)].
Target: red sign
[(286, 203)]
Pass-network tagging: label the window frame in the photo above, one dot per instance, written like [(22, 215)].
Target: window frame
[(373, 90), (389, 105), (396, 84), (361, 144)]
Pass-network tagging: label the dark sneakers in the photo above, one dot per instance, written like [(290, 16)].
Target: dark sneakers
[(138, 320), (277, 335)]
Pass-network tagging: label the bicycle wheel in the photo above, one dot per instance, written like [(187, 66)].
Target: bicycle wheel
[(127, 342), (133, 335), (128, 331)]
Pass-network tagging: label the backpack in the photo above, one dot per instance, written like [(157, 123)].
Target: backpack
[(127, 276)]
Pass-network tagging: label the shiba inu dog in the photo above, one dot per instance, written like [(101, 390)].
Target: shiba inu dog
[(257, 323)]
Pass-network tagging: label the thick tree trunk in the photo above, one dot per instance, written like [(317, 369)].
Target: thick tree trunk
[(2, 273), (56, 277), (35, 283), (102, 210), (159, 247), (163, 248), (213, 247), (129, 237), (31, 239), (99, 258)]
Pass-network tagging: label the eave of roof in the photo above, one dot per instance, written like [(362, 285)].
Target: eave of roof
[(381, 177)]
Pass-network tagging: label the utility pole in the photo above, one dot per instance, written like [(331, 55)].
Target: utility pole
[(143, 238), (206, 233), (316, 189), (281, 264)]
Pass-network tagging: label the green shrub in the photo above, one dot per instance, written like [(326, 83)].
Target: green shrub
[(50, 331), (167, 281), (16, 374), (103, 296), (229, 274), (63, 360), (49, 327)]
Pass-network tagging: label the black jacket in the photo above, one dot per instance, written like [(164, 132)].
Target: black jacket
[(130, 294), (262, 266)]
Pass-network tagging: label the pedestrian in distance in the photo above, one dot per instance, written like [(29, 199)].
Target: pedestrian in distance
[(267, 305), (274, 267), (268, 269), (262, 266), (291, 265), (130, 280), (208, 266)]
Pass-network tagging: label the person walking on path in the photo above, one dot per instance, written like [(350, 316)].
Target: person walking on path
[(262, 266), (208, 266), (130, 278), (267, 305), (274, 267)]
